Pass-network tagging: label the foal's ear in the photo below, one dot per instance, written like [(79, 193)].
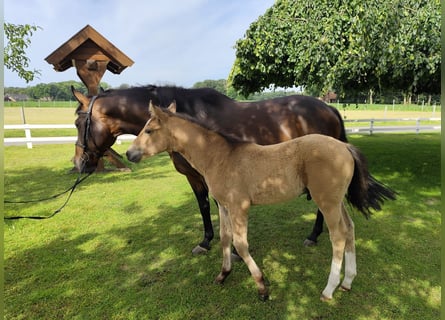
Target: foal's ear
[(154, 110), (172, 107)]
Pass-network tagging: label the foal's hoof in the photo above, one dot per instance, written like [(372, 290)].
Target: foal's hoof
[(199, 250), (219, 279), (324, 298), (309, 243), (343, 288)]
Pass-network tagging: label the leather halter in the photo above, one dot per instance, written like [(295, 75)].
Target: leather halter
[(87, 130)]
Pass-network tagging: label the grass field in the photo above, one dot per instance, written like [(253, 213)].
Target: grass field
[(121, 249)]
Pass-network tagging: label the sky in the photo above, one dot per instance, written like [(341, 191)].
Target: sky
[(177, 42)]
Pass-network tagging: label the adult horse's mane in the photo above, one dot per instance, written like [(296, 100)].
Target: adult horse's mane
[(166, 93), (194, 98), (229, 137), (197, 99)]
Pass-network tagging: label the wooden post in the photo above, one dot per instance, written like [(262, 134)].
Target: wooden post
[(92, 55), (27, 131), (91, 72)]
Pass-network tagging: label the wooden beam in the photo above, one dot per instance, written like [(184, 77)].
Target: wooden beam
[(91, 72)]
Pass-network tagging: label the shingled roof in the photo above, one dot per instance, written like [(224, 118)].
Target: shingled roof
[(88, 44)]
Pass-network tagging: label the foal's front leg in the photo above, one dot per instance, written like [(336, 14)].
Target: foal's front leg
[(225, 231), (239, 218)]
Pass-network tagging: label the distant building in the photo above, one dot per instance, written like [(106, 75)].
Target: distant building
[(14, 97), (329, 97)]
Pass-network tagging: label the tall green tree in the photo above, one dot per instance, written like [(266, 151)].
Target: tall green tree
[(346, 46), (218, 85), (18, 39)]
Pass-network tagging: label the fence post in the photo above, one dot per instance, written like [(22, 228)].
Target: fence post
[(371, 127), (27, 130), (417, 125)]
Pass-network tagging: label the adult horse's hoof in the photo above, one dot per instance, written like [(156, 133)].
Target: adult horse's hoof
[(235, 258), (343, 288), (263, 297), (199, 250), (309, 243)]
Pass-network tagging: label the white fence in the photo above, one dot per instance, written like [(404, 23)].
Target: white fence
[(29, 140), (369, 129)]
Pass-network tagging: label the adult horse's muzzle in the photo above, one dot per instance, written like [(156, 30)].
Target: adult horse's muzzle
[(134, 154), (85, 162)]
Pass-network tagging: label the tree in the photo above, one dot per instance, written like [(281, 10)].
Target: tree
[(218, 85), (18, 38), (346, 46)]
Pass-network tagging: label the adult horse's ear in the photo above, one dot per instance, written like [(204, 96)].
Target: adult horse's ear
[(80, 97), (172, 107)]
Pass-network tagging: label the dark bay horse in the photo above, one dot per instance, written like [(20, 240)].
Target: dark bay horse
[(240, 174), (114, 112)]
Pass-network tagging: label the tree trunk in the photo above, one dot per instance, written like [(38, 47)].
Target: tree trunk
[(370, 96), (407, 98)]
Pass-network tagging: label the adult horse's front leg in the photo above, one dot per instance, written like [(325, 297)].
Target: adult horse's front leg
[(201, 192), (311, 239), (202, 195)]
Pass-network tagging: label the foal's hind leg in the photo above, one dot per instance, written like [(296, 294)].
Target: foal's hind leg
[(350, 257), (338, 235)]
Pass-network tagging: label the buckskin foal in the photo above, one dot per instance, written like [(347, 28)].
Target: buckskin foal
[(240, 174)]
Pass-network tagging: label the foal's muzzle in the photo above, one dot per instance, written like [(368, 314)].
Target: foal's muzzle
[(134, 155)]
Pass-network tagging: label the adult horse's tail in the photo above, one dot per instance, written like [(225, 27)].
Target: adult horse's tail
[(365, 192)]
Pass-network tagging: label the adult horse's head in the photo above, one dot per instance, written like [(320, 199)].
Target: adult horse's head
[(102, 118), (94, 134)]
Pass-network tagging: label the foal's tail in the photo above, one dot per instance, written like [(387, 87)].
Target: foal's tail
[(365, 192)]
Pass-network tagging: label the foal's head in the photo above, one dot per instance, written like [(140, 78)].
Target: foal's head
[(154, 137)]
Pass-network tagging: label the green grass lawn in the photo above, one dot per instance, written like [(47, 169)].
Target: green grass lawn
[(121, 249)]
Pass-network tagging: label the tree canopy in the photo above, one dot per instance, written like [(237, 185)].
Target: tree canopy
[(18, 38), (345, 46)]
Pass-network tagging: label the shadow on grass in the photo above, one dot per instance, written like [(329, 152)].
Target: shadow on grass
[(142, 268), (42, 182)]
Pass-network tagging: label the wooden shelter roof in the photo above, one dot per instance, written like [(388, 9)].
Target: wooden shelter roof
[(88, 44)]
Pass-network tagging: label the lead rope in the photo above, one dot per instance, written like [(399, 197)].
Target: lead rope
[(70, 190)]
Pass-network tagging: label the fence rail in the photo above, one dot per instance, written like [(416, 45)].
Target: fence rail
[(392, 128), (370, 129), (29, 140)]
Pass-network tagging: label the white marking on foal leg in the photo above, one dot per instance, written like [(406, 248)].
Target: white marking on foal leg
[(350, 270), (333, 281), (350, 258)]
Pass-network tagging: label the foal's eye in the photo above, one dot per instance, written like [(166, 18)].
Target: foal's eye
[(147, 131)]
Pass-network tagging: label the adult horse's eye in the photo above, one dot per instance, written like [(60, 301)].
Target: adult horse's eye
[(147, 131)]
